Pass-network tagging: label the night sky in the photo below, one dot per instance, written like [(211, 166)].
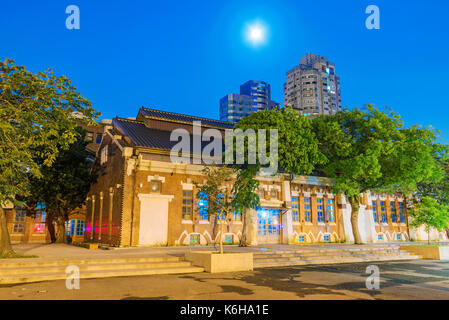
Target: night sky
[(183, 56)]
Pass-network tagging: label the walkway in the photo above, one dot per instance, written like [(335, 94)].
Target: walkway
[(64, 251)]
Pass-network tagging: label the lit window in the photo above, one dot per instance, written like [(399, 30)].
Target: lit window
[(295, 212), (330, 210), (382, 209), (307, 213), (80, 228), (70, 228), (319, 208), (202, 205), (375, 211), (19, 220), (187, 205), (41, 215), (194, 239), (98, 139), (393, 212)]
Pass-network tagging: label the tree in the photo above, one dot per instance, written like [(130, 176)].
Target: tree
[(245, 195), (437, 189), (218, 191), (298, 152), (35, 122), (428, 212), (370, 150), (64, 185)]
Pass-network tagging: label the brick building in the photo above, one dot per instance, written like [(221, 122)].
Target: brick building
[(143, 198)]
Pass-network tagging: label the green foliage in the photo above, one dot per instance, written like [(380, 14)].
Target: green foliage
[(35, 122), (417, 159), (219, 180), (368, 149), (429, 213), (438, 190), (64, 185), (298, 151), (245, 189), (356, 142)]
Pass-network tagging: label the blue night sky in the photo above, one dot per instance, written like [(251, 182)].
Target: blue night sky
[(183, 56)]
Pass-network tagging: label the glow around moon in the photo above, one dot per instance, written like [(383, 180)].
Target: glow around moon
[(256, 33)]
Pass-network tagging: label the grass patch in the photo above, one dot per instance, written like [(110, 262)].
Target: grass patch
[(13, 255)]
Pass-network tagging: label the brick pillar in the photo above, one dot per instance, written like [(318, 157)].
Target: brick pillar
[(92, 224), (101, 216), (111, 198)]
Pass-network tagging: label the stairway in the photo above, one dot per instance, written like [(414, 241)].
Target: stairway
[(34, 271), (331, 255)]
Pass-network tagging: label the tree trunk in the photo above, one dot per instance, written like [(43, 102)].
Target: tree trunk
[(51, 228), (355, 205), (221, 234), (428, 236), (61, 236), (405, 213), (243, 242), (5, 243)]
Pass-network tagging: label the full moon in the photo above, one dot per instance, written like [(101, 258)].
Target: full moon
[(256, 34)]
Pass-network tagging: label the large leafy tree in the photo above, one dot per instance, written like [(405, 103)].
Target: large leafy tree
[(438, 190), (428, 212), (35, 122), (370, 150), (63, 186), (298, 151)]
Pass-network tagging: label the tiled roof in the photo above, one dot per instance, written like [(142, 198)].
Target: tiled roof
[(183, 117), (142, 136)]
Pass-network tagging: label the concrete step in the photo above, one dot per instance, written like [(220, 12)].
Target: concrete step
[(92, 267), (13, 279), (268, 263), (326, 251), (66, 262), (333, 253)]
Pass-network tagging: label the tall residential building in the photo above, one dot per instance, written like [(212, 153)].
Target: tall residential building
[(254, 96), (313, 87)]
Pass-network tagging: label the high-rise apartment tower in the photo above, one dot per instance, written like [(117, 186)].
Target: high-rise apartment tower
[(313, 87)]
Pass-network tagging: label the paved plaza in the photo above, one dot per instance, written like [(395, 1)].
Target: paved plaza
[(405, 280)]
